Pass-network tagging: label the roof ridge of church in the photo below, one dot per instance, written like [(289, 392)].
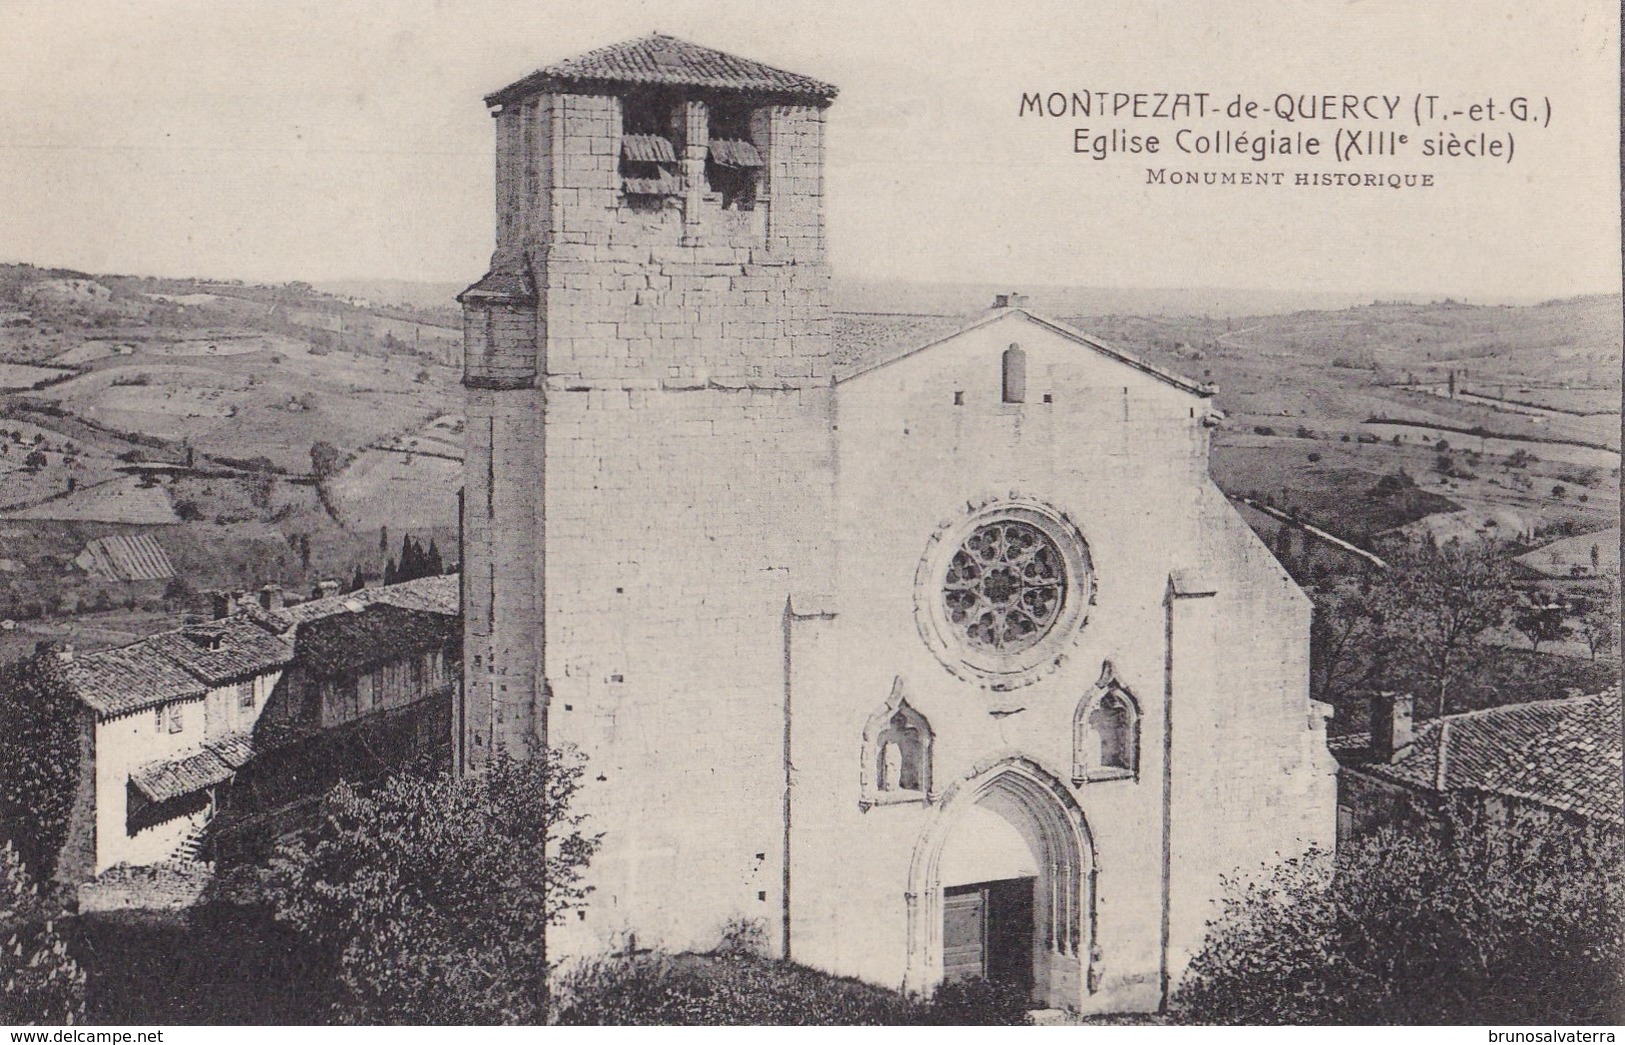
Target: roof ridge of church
[(993, 315)]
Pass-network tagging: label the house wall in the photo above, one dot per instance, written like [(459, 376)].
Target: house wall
[(223, 713), (384, 688), (125, 743)]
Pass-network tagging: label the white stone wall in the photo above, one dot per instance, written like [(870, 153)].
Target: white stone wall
[(629, 305), (678, 524), (128, 742), (1123, 455)]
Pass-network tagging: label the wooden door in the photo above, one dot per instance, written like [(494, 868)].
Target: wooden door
[(964, 933), (1010, 932), (987, 931)]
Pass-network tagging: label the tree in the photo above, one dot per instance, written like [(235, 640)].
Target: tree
[(1394, 483), (1345, 643), (435, 893), (40, 983), (39, 757), (1599, 624), (1450, 919), (179, 593), (1436, 604), (1540, 621), (324, 460), (411, 564)]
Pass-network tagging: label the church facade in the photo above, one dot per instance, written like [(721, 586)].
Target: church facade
[(954, 665)]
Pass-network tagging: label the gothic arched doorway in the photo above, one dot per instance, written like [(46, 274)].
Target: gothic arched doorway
[(1016, 832)]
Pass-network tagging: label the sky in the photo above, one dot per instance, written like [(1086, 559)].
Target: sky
[(339, 139)]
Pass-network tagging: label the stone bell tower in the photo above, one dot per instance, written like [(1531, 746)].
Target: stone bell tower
[(649, 465)]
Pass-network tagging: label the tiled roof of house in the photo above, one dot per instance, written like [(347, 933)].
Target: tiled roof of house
[(234, 750), (347, 643), (660, 59), (128, 678), (160, 781), (1562, 754), (429, 594), (181, 665), (226, 650)]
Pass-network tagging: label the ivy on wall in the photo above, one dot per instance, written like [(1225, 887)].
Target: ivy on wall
[(39, 758)]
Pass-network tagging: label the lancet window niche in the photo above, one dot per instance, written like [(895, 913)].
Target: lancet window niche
[(896, 753), (1106, 732), (1014, 374)]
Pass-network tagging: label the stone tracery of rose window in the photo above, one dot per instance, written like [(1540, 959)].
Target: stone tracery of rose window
[(1005, 586)]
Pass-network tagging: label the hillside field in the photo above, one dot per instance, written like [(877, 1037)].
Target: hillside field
[(188, 409)]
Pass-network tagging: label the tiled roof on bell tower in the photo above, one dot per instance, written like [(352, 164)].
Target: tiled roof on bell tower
[(660, 59)]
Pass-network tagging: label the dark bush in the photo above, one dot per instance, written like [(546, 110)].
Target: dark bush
[(1453, 919), (980, 1003), (40, 982), (742, 990), (432, 893)]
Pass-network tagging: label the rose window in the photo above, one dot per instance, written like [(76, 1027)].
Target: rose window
[(1005, 587)]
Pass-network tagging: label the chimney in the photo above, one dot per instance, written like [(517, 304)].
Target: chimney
[(325, 589), (1390, 724), (271, 597), (221, 604), (1011, 300)]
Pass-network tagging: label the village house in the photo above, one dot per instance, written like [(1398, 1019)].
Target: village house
[(1557, 757), (951, 661), (170, 721)]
